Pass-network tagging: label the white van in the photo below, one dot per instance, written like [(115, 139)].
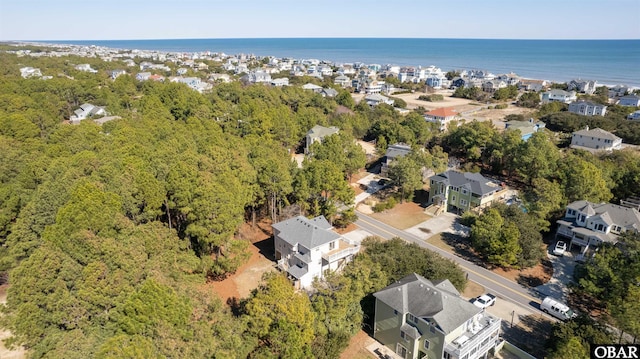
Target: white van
[(557, 309)]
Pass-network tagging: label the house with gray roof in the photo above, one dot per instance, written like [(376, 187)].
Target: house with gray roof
[(557, 95), (586, 225), (419, 318), (526, 128), (394, 152), (85, 111), (317, 134), (306, 248), (587, 108), (630, 100), (595, 140), (463, 191)]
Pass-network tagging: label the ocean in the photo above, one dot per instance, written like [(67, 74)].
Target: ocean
[(609, 62)]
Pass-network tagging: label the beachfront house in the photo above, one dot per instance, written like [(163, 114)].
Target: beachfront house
[(584, 86), (631, 100), (586, 225), (463, 191), (557, 95), (316, 134), (306, 248), (526, 128), (342, 81), (587, 108), (634, 116), (595, 140), (418, 318), (441, 116)]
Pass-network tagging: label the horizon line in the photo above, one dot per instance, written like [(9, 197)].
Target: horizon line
[(332, 38)]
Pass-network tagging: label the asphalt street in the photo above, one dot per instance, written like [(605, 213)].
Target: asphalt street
[(503, 288)]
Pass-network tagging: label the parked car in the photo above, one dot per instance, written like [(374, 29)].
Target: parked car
[(557, 309), (485, 300), (560, 248)]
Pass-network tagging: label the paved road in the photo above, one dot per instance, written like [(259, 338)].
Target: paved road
[(494, 283)]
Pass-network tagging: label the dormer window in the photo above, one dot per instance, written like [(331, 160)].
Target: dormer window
[(411, 318)]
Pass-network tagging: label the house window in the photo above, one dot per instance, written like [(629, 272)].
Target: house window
[(432, 329), (463, 202), (426, 344), (453, 198), (464, 191), (411, 318), (332, 245), (404, 336), (581, 218), (571, 212), (395, 312), (600, 227)]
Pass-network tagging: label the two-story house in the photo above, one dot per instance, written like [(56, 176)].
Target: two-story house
[(585, 86), (462, 191), (586, 225), (587, 108), (441, 116), (630, 100), (306, 248), (557, 95), (317, 133), (377, 99), (595, 140), (418, 318)]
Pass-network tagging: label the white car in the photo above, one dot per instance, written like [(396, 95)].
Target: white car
[(560, 248), (485, 300)]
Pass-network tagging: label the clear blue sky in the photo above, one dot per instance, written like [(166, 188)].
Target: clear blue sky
[(165, 19)]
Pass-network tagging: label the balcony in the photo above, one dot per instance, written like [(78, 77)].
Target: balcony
[(478, 339), (340, 253)]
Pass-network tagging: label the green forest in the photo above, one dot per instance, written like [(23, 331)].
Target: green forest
[(109, 233)]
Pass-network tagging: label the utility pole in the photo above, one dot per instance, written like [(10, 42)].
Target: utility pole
[(513, 312)]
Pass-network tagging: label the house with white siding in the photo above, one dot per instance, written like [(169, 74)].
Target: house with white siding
[(587, 108), (306, 248), (595, 140)]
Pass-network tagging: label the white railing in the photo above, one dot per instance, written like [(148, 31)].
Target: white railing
[(339, 255), (492, 325)]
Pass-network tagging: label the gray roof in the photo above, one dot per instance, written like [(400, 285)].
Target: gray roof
[(309, 233), (321, 132), (597, 133), (475, 182), (441, 303), (398, 150), (609, 213), (298, 272)]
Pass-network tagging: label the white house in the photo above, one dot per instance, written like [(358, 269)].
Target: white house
[(595, 140), (115, 73), (283, 81), (342, 81), (27, 72), (587, 108), (313, 87), (556, 95), (585, 86), (586, 225), (85, 111), (377, 99), (85, 68), (306, 248), (442, 116)]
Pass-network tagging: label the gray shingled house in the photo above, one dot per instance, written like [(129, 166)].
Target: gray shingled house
[(417, 318)]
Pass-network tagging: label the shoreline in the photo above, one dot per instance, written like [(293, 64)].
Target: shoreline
[(189, 50)]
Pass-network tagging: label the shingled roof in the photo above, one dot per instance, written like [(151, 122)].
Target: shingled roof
[(310, 233), (440, 303), (475, 182)]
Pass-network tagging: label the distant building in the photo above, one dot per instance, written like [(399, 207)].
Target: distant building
[(526, 128), (595, 140), (27, 72), (377, 99), (634, 116), (317, 134), (306, 248), (313, 87), (85, 68), (143, 76), (284, 81), (556, 95), (631, 100), (85, 111), (587, 108), (115, 73), (584, 86), (442, 116), (343, 81)]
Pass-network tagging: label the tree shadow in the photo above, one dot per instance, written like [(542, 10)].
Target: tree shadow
[(530, 334), (462, 248), (532, 281)]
